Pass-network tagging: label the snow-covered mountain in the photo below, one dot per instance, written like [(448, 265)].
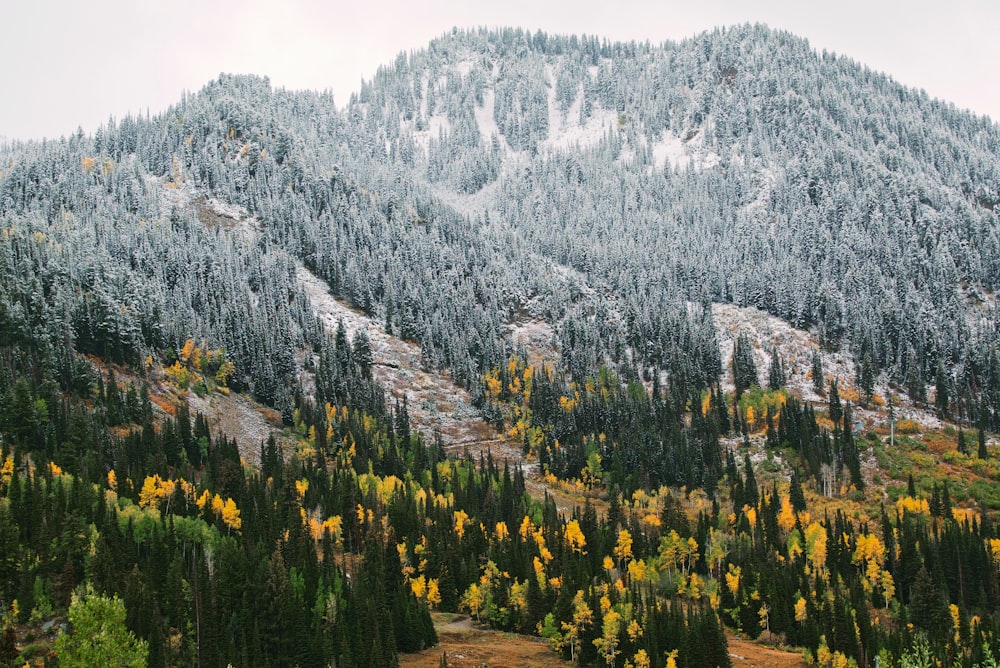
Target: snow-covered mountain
[(612, 191)]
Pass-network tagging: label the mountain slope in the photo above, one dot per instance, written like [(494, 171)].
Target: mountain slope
[(587, 238), (747, 167)]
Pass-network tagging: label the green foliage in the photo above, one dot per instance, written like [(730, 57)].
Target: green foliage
[(99, 636)]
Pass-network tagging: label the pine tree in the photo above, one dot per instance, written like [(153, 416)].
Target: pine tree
[(776, 374), (817, 373), (744, 367)]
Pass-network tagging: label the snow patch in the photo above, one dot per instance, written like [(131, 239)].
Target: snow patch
[(795, 347), (673, 152), (764, 181), (537, 337), (435, 403), (485, 119), (569, 134), (565, 130), (436, 125)]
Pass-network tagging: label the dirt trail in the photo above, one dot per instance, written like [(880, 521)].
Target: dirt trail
[(467, 644), (746, 654)]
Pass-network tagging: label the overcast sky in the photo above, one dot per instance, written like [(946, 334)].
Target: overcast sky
[(69, 63)]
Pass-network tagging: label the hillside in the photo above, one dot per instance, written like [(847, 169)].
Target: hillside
[(668, 300)]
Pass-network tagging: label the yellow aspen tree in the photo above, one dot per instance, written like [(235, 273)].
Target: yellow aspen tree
[(623, 550), (800, 610), (574, 537), (583, 617), (816, 545), (418, 586), (786, 517), (733, 578), (501, 532), (472, 600), (147, 495), (433, 593), (461, 519), (231, 515), (607, 644)]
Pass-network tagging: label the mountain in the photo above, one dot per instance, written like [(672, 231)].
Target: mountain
[(555, 224)]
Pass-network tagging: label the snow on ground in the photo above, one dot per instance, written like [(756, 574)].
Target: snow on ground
[(485, 119), (241, 418), (435, 402), (674, 152), (436, 124), (464, 67), (568, 133), (764, 180), (565, 130), (670, 151), (795, 347), (538, 338)]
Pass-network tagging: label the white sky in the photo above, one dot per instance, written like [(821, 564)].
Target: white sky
[(71, 63)]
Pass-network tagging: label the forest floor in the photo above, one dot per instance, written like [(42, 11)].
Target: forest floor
[(467, 644), (748, 654)]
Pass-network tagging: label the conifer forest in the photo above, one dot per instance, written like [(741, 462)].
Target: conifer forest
[(714, 332)]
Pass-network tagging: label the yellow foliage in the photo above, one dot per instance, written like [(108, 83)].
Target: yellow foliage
[(527, 528), (800, 610), (634, 630), (816, 544), (231, 515), (637, 570), (433, 594), (493, 384), (189, 347), (733, 578), (87, 163), (333, 525), (418, 586), (501, 532), (623, 550), (786, 518), (911, 505), (472, 599), (965, 515), (461, 519), (224, 372), (574, 537), (7, 470), (178, 374)]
